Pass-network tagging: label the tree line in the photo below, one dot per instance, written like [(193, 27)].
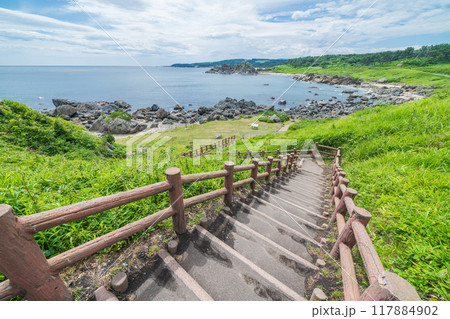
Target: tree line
[(426, 55)]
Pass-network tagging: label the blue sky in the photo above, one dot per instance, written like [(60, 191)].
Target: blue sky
[(162, 32)]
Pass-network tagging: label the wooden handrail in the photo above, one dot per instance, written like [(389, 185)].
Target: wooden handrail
[(62, 215), (76, 254), (384, 285), (186, 179), (220, 143)]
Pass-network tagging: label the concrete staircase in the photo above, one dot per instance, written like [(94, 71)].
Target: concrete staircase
[(257, 249)]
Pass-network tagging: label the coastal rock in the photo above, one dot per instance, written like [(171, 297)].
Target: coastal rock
[(65, 110), (122, 104), (243, 68), (117, 126), (154, 108), (327, 79), (275, 118), (161, 113)]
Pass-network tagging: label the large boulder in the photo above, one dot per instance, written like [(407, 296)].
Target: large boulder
[(65, 110), (161, 113), (117, 126), (154, 108), (108, 108), (122, 104), (275, 118), (203, 110)]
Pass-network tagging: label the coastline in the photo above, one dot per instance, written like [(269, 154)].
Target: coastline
[(115, 118)]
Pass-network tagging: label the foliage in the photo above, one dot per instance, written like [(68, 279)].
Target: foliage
[(24, 127), (267, 114), (121, 114), (108, 138), (426, 55)]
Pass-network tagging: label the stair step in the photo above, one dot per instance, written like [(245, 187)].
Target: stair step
[(169, 282), (264, 284), (288, 236), (284, 215), (295, 208), (289, 269), (292, 193)]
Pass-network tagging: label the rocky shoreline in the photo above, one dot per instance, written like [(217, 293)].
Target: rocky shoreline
[(115, 118), (243, 68)]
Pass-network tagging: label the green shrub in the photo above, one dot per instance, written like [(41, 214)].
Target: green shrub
[(108, 138), (266, 116), (121, 114)]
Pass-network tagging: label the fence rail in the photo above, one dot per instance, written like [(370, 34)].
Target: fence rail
[(205, 149), (384, 285)]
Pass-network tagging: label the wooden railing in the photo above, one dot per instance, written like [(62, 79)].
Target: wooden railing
[(384, 285), (31, 274), (205, 149)]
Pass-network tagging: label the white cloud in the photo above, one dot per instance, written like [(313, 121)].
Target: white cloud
[(167, 31), (297, 15)]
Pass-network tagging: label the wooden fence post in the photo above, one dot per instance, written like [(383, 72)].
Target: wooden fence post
[(269, 168), (340, 208), (254, 174), (280, 157), (315, 150), (173, 176), (278, 152), (390, 287), (263, 154), (347, 237), (22, 261), (228, 183)]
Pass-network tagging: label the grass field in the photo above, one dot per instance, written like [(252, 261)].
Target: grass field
[(414, 76), (181, 139)]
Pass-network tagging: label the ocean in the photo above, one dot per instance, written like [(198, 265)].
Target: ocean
[(36, 86)]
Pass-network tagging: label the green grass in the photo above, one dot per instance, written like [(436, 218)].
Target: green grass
[(121, 114), (404, 74), (181, 139), (21, 126)]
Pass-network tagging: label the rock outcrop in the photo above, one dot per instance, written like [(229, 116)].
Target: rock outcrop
[(116, 126), (243, 68)]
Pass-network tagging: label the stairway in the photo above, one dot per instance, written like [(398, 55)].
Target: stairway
[(253, 250)]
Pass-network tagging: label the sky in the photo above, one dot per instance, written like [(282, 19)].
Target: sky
[(162, 32)]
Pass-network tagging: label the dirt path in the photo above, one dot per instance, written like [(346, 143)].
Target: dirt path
[(285, 127)]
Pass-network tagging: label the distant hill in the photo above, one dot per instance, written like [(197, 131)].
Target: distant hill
[(426, 55), (257, 63)]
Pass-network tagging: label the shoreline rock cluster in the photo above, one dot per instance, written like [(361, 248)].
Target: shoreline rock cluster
[(243, 68), (96, 116)]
